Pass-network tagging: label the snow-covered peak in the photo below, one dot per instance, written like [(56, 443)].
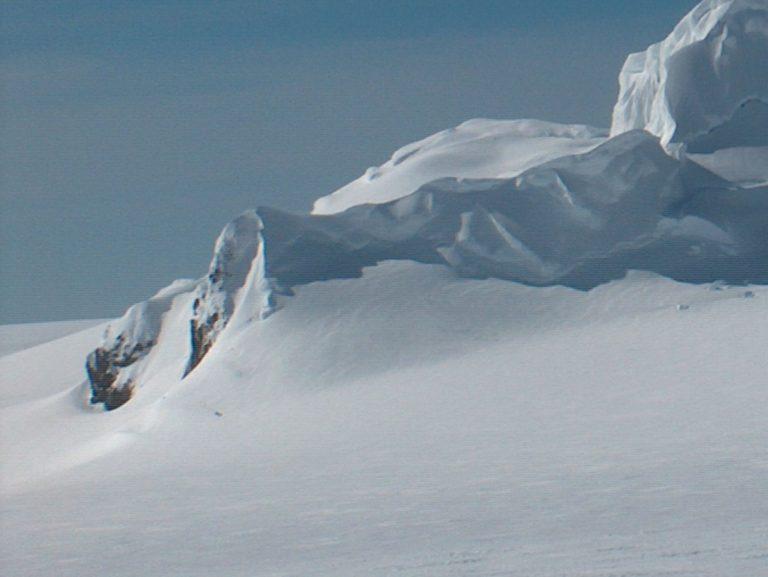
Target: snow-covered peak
[(478, 148), (710, 66)]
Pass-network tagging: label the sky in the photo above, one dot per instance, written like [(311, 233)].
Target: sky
[(133, 131)]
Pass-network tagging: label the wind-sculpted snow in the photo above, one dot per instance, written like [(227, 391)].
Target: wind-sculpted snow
[(344, 416), (711, 66), (737, 150), (478, 148), (680, 189), (578, 221)]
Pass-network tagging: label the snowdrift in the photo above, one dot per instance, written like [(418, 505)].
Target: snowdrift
[(478, 148)]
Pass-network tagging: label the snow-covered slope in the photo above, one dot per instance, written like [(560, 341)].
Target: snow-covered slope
[(478, 148), (413, 423), (23, 336), (38, 371), (578, 221)]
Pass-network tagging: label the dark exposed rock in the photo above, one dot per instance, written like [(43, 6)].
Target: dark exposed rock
[(202, 337), (103, 367), (236, 249)]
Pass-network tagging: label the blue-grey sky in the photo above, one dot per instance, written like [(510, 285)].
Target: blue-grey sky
[(132, 131)]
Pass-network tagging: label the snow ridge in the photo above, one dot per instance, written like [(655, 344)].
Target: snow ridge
[(478, 148)]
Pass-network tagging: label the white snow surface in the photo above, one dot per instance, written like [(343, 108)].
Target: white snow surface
[(410, 423), (17, 337), (479, 148), (26, 373), (712, 63)]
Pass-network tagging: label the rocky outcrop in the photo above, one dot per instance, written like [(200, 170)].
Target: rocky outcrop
[(115, 366), (104, 367), (234, 254), (202, 334)]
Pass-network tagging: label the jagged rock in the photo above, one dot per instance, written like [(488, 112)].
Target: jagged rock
[(114, 366), (234, 254), (103, 367)]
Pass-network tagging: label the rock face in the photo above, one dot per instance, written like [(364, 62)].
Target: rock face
[(704, 72), (114, 367), (235, 252), (104, 366)]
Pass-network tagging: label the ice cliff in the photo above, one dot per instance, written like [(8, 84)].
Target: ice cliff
[(689, 87)]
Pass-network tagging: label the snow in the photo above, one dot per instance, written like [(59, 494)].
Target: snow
[(478, 148), (711, 64), (235, 250), (18, 337), (578, 220), (142, 322), (466, 362), (747, 167), (483, 428), (26, 373)]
